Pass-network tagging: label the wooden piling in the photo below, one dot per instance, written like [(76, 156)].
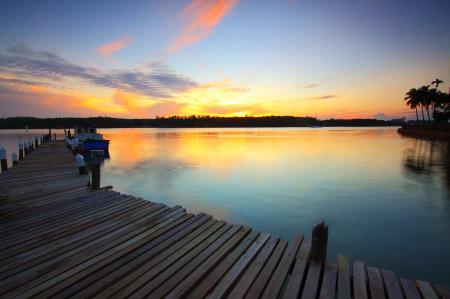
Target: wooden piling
[(25, 148), (20, 151), (3, 161), (319, 242), (96, 159), (14, 159), (81, 164)]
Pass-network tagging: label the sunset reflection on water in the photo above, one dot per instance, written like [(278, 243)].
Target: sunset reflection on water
[(284, 180)]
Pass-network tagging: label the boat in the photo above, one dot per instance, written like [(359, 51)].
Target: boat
[(88, 139)]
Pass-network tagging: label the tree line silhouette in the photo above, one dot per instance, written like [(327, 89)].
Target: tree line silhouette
[(426, 97), (193, 121)]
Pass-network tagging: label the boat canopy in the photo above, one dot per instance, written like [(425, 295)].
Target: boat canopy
[(87, 133)]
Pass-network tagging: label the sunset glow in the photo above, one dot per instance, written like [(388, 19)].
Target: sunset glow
[(222, 57)]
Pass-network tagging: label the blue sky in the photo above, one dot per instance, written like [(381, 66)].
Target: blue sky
[(327, 58)]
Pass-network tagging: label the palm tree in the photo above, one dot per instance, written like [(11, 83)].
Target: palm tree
[(412, 99), (425, 99), (434, 98), (437, 82)]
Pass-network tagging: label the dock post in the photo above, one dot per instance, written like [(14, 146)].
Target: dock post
[(4, 163), (20, 151), (74, 143), (96, 159), (30, 146), (36, 142), (25, 148), (14, 159), (319, 242), (81, 164)]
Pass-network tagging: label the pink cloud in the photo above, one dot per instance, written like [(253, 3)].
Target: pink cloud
[(109, 49), (203, 16)]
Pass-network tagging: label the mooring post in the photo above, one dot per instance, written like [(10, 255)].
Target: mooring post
[(3, 161), (30, 146), (96, 159), (319, 242), (74, 146), (36, 142), (25, 148), (14, 159), (81, 164), (20, 151)]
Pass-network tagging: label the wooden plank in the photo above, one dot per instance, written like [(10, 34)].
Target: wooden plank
[(202, 264), (76, 240), (392, 286), (305, 248), (266, 273), (233, 274), (210, 280), (409, 289), (311, 289), (343, 283), (275, 284), (125, 238), (67, 230), (247, 279), (174, 274), (375, 283), (297, 278), (328, 289), (127, 284), (426, 290), (96, 278), (74, 274), (359, 280)]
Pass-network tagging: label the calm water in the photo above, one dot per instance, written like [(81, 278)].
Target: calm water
[(386, 198)]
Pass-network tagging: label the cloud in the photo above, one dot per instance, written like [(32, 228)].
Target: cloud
[(202, 16), (117, 45), (155, 81), (324, 97), (22, 82), (306, 86)]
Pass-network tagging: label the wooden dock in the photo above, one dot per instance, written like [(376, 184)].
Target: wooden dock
[(60, 238)]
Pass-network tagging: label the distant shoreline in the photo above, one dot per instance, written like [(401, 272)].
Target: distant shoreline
[(191, 122)]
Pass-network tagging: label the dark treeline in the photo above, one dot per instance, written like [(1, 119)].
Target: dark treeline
[(185, 122)]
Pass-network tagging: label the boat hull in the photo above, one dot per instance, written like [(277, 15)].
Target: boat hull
[(90, 145)]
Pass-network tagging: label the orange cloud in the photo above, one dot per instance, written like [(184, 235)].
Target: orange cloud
[(38, 88), (203, 16), (109, 49)]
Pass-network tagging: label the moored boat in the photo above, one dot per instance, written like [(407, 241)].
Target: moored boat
[(87, 139)]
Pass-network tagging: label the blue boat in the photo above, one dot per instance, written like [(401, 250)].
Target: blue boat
[(89, 139)]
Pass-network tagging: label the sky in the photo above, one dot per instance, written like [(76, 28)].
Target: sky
[(141, 59)]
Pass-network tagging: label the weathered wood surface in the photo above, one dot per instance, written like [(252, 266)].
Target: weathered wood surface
[(59, 238)]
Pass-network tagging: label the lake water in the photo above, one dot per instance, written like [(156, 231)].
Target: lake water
[(385, 197)]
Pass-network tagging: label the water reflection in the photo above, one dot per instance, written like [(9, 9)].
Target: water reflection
[(371, 185), (428, 162)]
